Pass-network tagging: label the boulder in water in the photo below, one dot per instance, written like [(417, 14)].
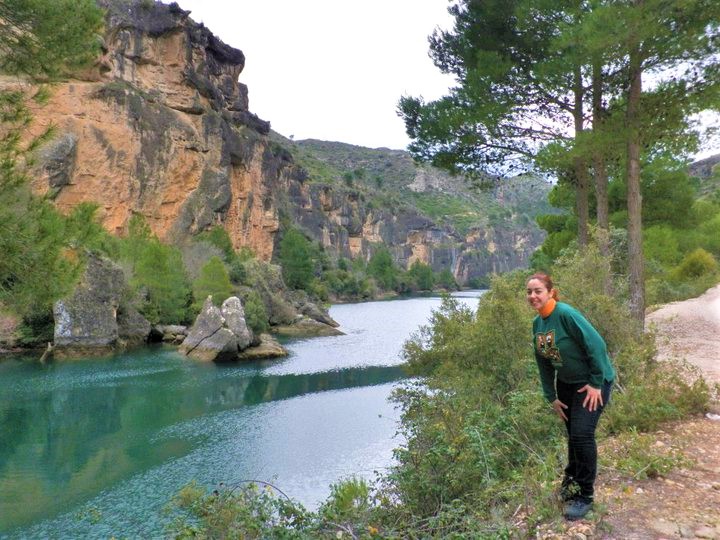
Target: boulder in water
[(218, 334)]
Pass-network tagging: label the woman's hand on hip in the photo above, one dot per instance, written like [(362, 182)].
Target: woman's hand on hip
[(558, 407), (593, 400)]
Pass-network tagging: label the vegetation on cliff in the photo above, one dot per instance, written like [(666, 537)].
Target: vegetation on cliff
[(390, 178)]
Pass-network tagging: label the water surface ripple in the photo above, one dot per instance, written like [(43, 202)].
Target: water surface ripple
[(96, 448)]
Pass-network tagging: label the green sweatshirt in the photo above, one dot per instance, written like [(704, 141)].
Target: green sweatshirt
[(567, 344)]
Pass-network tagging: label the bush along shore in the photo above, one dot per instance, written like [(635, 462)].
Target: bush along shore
[(138, 289), (483, 455)]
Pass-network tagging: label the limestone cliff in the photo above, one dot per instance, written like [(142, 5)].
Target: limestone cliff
[(161, 127)]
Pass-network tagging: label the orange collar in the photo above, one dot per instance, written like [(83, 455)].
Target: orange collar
[(548, 308)]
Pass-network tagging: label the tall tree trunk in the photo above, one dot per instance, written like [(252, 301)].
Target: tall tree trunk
[(599, 166), (580, 165), (634, 196)]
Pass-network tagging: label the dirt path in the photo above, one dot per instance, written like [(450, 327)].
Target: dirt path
[(691, 330), (686, 502)]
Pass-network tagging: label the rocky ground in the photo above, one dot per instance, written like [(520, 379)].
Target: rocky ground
[(684, 503)]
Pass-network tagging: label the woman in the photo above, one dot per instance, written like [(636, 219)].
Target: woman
[(576, 376)]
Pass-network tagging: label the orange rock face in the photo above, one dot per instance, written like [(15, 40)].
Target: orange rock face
[(161, 128)]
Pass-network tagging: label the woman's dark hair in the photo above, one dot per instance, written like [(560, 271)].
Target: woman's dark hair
[(547, 281)]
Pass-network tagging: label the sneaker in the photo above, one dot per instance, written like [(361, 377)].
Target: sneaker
[(577, 509)]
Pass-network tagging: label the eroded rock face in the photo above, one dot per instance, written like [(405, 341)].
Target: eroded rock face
[(95, 319), (161, 128)]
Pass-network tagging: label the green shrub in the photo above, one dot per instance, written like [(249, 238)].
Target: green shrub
[(218, 237), (296, 260), (196, 255), (636, 455), (661, 244), (249, 511), (422, 276), (710, 231), (446, 280), (347, 284), (382, 268), (238, 272), (255, 313), (158, 272), (695, 265), (213, 281)]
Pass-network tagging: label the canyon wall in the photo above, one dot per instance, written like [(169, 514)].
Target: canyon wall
[(161, 127)]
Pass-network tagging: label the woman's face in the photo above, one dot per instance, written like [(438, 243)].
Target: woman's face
[(537, 294)]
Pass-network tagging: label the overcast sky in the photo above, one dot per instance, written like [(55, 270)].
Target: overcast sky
[(332, 69), (335, 69)]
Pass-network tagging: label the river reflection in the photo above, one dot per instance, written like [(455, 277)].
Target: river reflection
[(85, 428), (115, 438)]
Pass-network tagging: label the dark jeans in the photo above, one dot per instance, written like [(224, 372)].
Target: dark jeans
[(582, 448)]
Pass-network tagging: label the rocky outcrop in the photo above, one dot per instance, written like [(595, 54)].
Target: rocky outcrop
[(161, 127), (218, 334), (96, 318), (170, 333), (307, 327), (267, 348), (313, 312)]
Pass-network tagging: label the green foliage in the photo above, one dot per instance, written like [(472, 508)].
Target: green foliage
[(556, 242), (212, 281), (249, 512), (654, 393), (348, 284), (218, 237), (255, 313), (296, 259), (710, 231), (481, 395), (446, 280), (660, 243), (422, 276), (668, 195), (382, 268), (480, 442), (459, 212), (48, 38), (159, 274), (238, 272), (637, 456), (695, 265)]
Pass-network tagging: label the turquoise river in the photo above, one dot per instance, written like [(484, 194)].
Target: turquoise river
[(96, 448)]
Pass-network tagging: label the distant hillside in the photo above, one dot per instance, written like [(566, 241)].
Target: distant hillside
[(707, 171), (704, 167), (392, 177)]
